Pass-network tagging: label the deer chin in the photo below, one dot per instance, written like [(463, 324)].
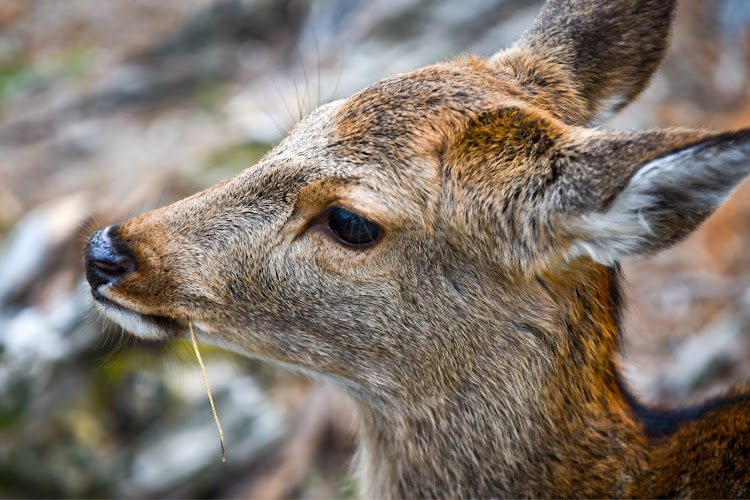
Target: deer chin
[(145, 326)]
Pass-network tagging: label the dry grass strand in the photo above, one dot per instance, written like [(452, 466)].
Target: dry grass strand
[(208, 391)]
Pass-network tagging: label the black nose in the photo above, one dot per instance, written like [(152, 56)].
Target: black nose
[(107, 259)]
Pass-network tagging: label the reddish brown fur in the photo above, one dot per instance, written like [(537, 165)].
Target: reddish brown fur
[(479, 334)]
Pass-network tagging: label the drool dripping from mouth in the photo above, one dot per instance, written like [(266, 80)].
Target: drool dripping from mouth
[(208, 390)]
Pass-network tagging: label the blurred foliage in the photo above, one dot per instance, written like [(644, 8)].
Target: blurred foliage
[(22, 75)]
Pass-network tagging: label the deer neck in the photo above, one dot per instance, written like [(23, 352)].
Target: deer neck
[(549, 417)]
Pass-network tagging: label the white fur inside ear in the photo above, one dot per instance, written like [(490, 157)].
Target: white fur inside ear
[(609, 236), (703, 176), (609, 107)]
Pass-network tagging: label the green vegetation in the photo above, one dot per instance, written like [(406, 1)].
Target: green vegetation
[(22, 75)]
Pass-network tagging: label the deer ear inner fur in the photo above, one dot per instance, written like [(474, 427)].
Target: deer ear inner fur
[(664, 198)]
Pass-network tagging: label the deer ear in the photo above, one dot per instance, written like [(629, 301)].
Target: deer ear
[(583, 60), (658, 201)]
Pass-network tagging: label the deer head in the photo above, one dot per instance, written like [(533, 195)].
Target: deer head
[(442, 240)]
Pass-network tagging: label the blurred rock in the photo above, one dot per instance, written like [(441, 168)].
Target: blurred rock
[(704, 357), (30, 249), (173, 458), (35, 337)]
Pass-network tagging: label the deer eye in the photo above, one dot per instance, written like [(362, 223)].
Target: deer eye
[(352, 228)]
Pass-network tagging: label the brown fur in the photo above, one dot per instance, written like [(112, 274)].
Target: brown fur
[(479, 333)]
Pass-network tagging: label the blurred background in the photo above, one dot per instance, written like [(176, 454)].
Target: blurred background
[(109, 109)]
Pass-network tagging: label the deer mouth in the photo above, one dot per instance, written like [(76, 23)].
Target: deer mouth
[(107, 261), (146, 326)]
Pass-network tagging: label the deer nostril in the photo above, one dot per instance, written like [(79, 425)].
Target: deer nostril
[(109, 269), (107, 258)]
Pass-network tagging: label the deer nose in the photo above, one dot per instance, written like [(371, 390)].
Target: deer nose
[(108, 258)]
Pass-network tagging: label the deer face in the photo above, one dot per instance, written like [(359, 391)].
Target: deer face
[(398, 232), (318, 256)]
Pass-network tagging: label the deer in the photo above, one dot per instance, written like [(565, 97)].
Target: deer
[(444, 247)]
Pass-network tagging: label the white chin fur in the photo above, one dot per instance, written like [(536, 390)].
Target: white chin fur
[(134, 323)]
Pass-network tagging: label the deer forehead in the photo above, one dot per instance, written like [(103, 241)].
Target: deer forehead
[(421, 108), (383, 150), (310, 171)]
